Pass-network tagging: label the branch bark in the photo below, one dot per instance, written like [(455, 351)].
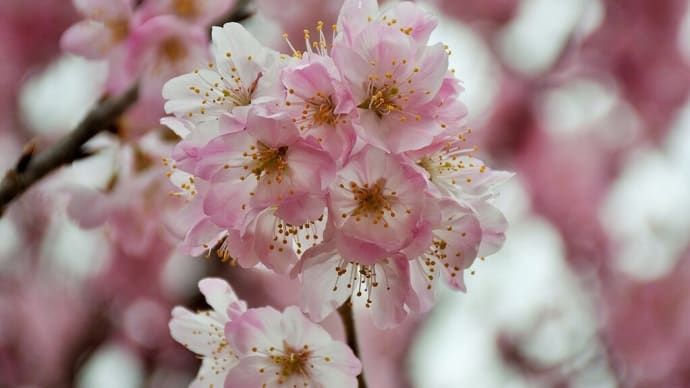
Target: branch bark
[(30, 168), (346, 316)]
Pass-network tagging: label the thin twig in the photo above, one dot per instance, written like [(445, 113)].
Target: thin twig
[(346, 316), (30, 168)]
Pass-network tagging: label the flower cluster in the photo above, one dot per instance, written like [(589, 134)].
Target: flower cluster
[(346, 165), (149, 42), (260, 347)]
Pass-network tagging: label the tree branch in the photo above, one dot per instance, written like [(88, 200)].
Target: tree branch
[(31, 168), (346, 316)]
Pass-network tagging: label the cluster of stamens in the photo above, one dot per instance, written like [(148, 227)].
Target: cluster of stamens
[(221, 352), (437, 255), (319, 46), (452, 161), (372, 202), (360, 278), (224, 93), (264, 162), (299, 238), (317, 111)]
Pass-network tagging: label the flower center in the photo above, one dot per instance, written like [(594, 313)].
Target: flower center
[(173, 50), (322, 110), (292, 361), (269, 161), (381, 100), (119, 29), (185, 8), (372, 201)]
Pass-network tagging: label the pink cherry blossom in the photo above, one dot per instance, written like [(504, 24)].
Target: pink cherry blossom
[(320, 104), (266, 165), (287, 350), (393, 82), (327, 280), (453, 249), (402, 17), (376, 203), (106, 27), (204, 332), (243, 71)]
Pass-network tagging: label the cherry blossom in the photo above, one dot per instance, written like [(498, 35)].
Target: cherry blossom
[(105, 28), (204, 332), (286, 349)]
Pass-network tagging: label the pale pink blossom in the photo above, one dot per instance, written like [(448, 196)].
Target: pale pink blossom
[(328, 279), (286, 349), (243, 71), (394, 83), (204, 332), (403, 17), (455, 243), (377, 204), (320, 104), (106, 27), (266, 165)]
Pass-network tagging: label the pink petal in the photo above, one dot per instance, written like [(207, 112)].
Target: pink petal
[(318, 278), (89, 38), (220, 296)]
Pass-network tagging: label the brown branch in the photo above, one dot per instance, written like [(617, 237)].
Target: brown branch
[(346, 316), (30, 168)]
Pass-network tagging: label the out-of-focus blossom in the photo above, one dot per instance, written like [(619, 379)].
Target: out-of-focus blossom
[(28, 338), (637, 44), (647, 328), (480, 11), (105, 28), (198, 12), (134, 225)]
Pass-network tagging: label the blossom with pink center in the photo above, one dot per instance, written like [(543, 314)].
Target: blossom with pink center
[(198, 12), (106, 27), (320, 104), (376, 203), (403, 17), (204, 332), (394, 83), (265, 165), (328, 279), (243, 72), (287, 350)]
